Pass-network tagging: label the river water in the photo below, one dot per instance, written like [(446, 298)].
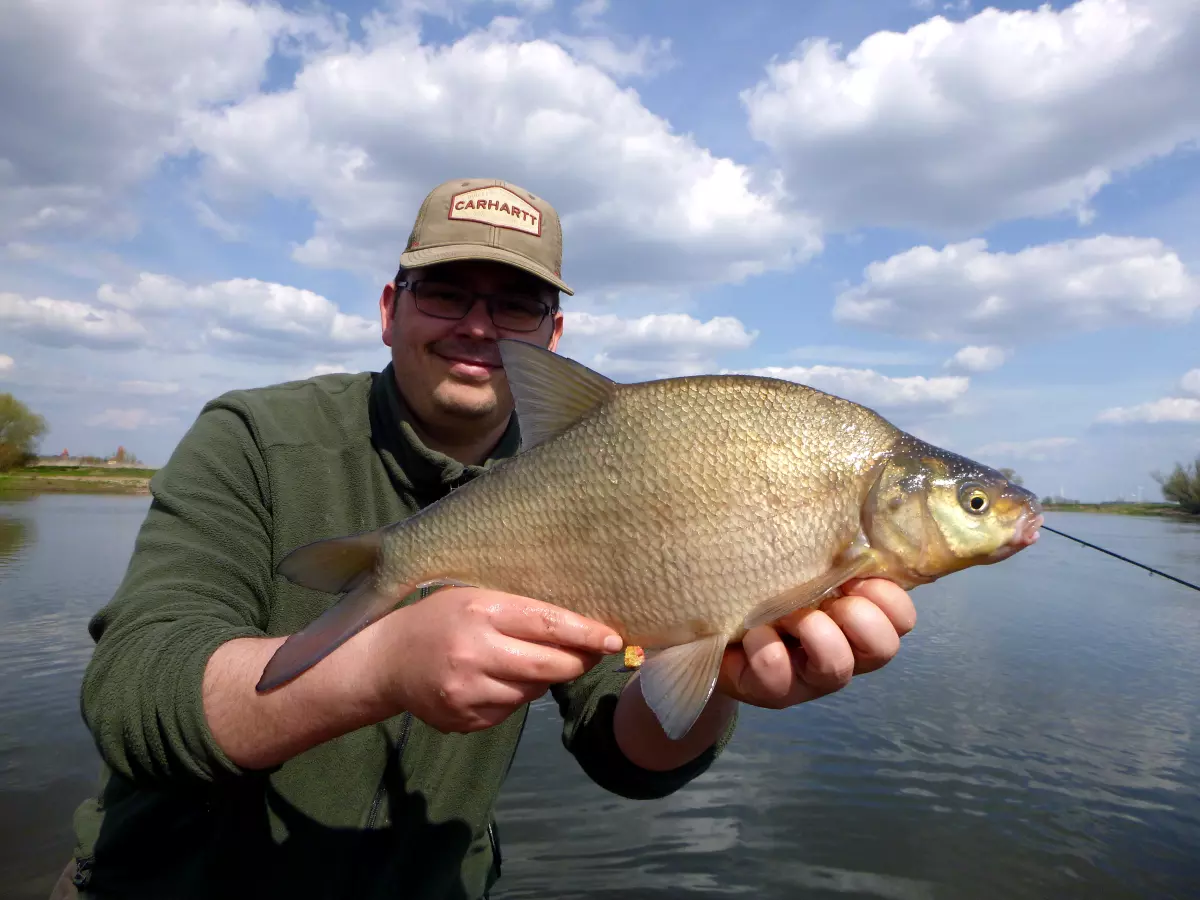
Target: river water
[(1038, 736)]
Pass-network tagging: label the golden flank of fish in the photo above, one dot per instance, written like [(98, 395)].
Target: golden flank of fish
[(681, 512)]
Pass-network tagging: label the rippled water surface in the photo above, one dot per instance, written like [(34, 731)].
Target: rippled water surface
[(1036, 737)]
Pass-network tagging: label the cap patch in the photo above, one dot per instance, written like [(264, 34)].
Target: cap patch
[(496, 206)]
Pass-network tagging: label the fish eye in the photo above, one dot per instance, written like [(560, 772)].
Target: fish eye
[(974, 498)]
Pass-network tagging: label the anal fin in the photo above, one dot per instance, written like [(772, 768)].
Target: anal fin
[(810, 592), (677, 682)]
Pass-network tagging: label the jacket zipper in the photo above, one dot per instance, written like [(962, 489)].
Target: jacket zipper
[(397, 753), (495, 849)]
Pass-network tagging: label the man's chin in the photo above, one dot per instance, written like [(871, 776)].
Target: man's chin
[(473, 401)]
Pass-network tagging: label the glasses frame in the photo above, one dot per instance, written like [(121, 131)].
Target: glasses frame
[(489, 301)]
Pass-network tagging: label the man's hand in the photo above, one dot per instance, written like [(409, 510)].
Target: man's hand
[(853, 634), (464, 659)]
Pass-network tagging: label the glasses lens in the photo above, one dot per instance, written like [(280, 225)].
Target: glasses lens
[(512, 312), (444, 301), (517, 313)]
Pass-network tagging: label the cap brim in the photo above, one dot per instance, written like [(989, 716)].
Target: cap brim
[(430, 256)]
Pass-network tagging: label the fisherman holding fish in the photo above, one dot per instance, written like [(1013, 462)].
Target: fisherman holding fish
[(315, 673)]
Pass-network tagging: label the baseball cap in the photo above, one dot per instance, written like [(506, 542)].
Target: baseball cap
[(484, 218)]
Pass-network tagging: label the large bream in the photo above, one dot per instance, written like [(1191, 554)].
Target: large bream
[(681, 512)]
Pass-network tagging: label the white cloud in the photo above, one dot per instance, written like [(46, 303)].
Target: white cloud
[(636, 59), (588, 12), (857, 356), (530, 6), (1191, 382), (1036, 450), (652, 346), (977, 359), (65, 323), (1168, 409), (7, 363), (870, 388), (244, 313), (957, 125), (149, 388), (128, 419), (641, 204), (104, 87), (326, 369), (964, 292)]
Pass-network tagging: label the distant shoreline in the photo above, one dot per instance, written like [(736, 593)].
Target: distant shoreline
[(81, 480), (1162, 510)]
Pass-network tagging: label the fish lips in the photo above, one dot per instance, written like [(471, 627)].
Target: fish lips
[(1025, 535)]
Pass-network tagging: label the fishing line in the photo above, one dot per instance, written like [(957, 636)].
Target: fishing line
[(1194, 587)]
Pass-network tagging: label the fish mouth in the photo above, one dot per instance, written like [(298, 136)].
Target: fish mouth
[(1027, 529), (1025, 535)]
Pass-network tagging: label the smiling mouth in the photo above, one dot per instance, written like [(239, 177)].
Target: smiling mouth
[(479, 360)]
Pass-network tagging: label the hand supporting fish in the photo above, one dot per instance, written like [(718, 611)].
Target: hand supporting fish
[(813, 652), (686, 515)]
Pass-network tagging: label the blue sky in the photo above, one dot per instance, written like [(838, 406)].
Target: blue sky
[(984, 222)]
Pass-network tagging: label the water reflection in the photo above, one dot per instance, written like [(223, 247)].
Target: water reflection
[(1035, 738), (14, 534), (73, 554)]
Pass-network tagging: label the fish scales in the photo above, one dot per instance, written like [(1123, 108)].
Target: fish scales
[(666, 516)]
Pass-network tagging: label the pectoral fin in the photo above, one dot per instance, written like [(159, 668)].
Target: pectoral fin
[(811, 592), (333, 565), (364, 605), (678, 681)]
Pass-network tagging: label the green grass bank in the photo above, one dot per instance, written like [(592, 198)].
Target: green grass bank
[(1165, 510), (78, 480)]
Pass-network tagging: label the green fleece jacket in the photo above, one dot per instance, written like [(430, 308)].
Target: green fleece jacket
[(394, 810)]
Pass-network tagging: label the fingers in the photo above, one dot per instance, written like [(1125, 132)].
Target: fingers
[(868, 630), (828, 656), (892, 599), (519, 660), (768, 661), (532, 620)]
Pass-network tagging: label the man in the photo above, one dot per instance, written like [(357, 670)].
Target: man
[(375, 773)]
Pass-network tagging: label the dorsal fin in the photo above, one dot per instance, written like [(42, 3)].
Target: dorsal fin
[(552, 392)]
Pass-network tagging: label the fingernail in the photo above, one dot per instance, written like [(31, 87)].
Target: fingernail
[(613, 643)]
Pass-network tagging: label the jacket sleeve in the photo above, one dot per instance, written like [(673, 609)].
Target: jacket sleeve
[(200, 575), (587, 705)]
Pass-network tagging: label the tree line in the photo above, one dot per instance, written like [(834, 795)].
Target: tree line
[(21, 431)]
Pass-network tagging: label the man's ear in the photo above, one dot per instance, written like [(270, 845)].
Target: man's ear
[(387, 312), (558, 330)]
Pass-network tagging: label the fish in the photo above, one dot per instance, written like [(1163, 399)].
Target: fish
[(681, 512)]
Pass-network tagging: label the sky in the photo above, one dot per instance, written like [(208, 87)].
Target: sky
[(982, 222)]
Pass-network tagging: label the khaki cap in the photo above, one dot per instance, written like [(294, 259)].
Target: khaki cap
[(484, 218)]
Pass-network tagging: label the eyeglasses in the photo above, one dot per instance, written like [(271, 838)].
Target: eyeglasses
[(512, 312)]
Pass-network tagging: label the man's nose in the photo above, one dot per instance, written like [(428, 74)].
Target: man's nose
[(477, 323)]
